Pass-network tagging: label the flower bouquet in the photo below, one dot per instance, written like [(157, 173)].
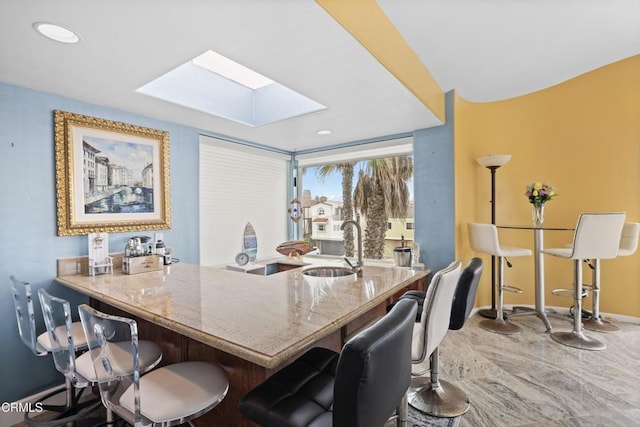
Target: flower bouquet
[(538, 194)]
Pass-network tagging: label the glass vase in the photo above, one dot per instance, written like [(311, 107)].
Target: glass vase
[(537, 214)]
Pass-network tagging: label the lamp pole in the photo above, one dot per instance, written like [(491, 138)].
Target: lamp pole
[(492, 162)]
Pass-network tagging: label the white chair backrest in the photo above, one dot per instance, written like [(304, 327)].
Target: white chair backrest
[(597, 235), (57, 318), (629, 238), (436, 311), (484, 238), (23, 304)]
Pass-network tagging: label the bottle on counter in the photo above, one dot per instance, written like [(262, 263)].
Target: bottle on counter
[(160, 248), (129, 248), (139, 250)]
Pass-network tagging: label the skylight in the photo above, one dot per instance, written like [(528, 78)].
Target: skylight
[(222, 87), (230, 69)]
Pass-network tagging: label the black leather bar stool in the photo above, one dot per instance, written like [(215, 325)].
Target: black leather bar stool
[(360, 387)]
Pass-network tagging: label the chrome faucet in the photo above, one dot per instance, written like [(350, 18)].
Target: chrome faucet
[(358, 267)]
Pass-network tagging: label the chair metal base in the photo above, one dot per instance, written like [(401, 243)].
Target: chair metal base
[(499, 326), (599, 325), (577, 340), (489, 313), (445, 400), (76, 409)]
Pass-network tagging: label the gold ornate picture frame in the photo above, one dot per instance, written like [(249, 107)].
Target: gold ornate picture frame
[(110, 176)]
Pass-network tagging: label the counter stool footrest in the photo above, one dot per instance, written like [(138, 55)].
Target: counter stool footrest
[(568, 293), (512, 289)]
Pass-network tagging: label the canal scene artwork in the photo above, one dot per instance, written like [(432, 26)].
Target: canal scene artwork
[(117, 176), (110, 176)]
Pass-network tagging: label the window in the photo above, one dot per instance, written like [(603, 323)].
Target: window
[(315, 190), (239, 185), (321, 227), (409, 226)]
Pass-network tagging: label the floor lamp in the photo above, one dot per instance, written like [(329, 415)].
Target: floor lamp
[(492, 162)]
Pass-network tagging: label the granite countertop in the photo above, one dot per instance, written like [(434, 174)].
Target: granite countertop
[(262, 319)]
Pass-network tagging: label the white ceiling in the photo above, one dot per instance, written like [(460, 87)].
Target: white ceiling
[(486, 49)]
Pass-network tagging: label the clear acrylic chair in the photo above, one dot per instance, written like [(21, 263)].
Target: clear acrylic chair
[(40, 345), (78, 368), (170, 395)]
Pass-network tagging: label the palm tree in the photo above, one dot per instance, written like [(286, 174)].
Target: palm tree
[(346, 169), (382, 193)]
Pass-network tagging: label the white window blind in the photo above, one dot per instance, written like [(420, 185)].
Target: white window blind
[(239, 185)]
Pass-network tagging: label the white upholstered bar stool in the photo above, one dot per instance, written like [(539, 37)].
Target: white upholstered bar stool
[(435, 397), (628, 246), (596, 237), (484, 238)]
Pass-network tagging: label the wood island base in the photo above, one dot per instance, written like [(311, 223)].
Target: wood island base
[(243, 375)]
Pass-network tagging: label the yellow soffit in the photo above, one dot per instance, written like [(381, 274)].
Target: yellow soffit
[(372, 28)]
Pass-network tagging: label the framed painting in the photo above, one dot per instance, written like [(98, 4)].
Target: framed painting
[(110, 176)]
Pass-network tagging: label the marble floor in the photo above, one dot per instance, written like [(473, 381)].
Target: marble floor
[(530, 380)]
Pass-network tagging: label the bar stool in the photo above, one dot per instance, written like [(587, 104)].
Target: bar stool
[(484, 238), (359, 387), (596, 237), (628, 246), (427, 336), (441, 398), (40, 345), (78, 368), (167, 396)]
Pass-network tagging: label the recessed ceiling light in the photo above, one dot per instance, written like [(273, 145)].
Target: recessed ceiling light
[(325, 132), (56, 32)]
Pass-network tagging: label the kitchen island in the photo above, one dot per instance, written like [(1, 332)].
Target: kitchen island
[(250, 324)]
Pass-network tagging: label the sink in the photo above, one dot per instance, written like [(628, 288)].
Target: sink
[(271, 268), (328, 271)]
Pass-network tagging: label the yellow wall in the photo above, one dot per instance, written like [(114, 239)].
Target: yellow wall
[(583, 137)]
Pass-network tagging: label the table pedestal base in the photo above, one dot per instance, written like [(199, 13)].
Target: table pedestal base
[(500, 326), (528, 311)]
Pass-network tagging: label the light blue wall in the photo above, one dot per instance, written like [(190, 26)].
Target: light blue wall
[(29, 245), (434, 192)]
